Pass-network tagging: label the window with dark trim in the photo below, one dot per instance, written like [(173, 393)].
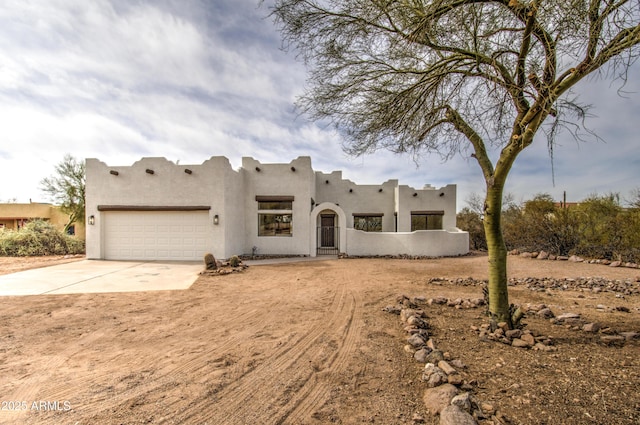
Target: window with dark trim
[(275, 215), (368, 222), (426, 220)]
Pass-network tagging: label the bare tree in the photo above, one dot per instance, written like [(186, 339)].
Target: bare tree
[(67, 188), (457, 76)]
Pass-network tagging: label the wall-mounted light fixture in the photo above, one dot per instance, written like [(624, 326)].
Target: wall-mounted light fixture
[(350, 190), (149, 171), (113, 172), (293, 169), (188, 171), (258, 169), (415, 194), (216, 219), (92, 220), (380, 190), (442, 194), (326, 181)]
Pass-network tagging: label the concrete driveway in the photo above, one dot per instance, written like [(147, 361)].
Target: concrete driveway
[(88, 276)]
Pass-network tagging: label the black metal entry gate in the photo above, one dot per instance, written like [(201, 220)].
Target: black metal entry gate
[(328, 240)]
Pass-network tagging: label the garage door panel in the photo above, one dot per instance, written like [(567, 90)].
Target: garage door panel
[(156, 235)]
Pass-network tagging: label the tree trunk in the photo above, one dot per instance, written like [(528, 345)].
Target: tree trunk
[(498, 291)]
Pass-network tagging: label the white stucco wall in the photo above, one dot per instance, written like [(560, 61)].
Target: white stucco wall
[(231, 195), (429, 199), (278, 180), (358, 199), (169, 185), (429, 243)]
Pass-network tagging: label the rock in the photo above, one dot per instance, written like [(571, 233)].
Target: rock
[(487, 408), (630, 335), (435, 356), (517, 342), (615, 264), (457, 363), (528, 339), (612, 339), (453, 415), (433, 375), (391, 309), (478, 302), (542, 255), (455, 379), (446, 367), (562, 258), (417, 322), (437, 300), (576, 259), (421, 355), (592, 327), (546, 313), (463, 401), (405, 313), (416, 341), (436, 399), (566, 316), (513, 333)]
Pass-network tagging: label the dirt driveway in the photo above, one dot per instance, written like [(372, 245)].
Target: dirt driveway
[(303, 343)]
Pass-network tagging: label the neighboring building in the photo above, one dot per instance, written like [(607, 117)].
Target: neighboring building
[(13, 216), (158, 210)]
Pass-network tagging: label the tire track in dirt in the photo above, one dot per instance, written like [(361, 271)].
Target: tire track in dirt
[(30, 386), (256, 396), (63, 390), (317, 391), (168, 373)]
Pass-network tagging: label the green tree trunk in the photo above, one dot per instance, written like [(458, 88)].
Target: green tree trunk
[(498, 291)]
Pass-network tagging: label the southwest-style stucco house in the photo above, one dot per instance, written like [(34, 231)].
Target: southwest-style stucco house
[(158, 210), (14, 215)]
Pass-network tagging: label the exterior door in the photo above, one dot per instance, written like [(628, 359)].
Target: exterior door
[(327, 234)]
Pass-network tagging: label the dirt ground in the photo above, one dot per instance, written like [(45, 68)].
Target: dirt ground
[(16, 264), (307, 343)]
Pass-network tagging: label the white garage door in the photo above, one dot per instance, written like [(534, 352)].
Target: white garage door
[(156, 235)]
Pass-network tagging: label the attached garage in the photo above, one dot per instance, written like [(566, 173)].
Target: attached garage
[(160, 233)]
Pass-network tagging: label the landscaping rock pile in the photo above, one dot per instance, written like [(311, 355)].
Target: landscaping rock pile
[(449, 389), (233, 265), (542, 255), (515, 337), (581, 284), (576, 322)]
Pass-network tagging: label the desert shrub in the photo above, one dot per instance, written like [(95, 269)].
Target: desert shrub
[(470, 221), (234, 261), (38, 237), (598, 227)]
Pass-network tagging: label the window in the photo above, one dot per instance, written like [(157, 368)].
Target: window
[(71, 230), (426, 220), (275, 215), (368, 222)]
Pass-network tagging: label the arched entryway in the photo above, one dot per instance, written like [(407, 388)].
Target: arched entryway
[(328, 239)]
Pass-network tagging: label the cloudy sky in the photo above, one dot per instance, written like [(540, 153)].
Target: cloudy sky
[(187, 80)]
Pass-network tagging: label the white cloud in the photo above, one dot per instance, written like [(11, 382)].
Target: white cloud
[(187, 80)]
